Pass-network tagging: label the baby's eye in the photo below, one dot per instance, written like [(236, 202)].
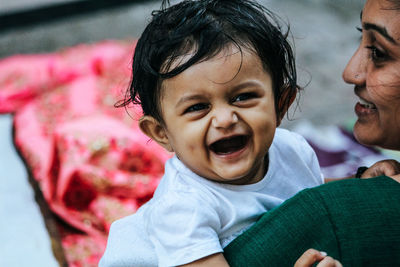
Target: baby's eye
[(244, 97), (196, 107)]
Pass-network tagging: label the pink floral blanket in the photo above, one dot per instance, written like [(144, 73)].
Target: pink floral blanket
[(90, 159)]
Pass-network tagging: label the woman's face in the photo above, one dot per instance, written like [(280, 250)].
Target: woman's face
[(374, 70)]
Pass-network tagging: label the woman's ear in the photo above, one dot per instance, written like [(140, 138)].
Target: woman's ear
[(282, 107), (153, 129)]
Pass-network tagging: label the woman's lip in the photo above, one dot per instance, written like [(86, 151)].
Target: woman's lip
[(366, 103), (364, 110)]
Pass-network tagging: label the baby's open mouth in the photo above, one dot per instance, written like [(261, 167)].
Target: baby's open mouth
[(229, 145)]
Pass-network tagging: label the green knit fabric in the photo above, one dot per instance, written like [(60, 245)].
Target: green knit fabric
[(356, 221)]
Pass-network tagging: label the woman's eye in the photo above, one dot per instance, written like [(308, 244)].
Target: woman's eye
[(244, 97), (196, 107), (376, 54), (360, 30)]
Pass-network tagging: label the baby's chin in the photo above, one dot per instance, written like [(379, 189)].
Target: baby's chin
[(239, 180)]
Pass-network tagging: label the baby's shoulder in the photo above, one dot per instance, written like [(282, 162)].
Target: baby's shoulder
[(184, 194), (289, 139), (177, 206)]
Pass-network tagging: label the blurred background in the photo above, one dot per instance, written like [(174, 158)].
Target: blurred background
[(324, 36)]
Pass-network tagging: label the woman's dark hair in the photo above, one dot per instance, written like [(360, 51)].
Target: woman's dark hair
[(202, 29)]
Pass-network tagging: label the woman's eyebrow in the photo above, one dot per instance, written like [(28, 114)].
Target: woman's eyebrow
[(382, 30)]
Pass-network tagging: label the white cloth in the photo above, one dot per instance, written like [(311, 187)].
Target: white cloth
[(190, 217)]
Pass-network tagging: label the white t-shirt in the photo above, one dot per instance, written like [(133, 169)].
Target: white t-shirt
[(190, 217)]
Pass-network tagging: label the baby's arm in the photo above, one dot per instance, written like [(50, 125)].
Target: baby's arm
[(217, 260), (183, 228), (390, 168)]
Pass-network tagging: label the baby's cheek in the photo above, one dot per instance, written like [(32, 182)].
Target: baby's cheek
[(191, 146)]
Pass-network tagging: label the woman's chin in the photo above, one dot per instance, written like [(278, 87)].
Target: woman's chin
[(368, 135), (364, 135)]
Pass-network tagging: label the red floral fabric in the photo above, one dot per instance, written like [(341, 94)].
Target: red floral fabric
[(90, 159)]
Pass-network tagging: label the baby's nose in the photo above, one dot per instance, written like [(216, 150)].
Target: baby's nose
[(224, 118)]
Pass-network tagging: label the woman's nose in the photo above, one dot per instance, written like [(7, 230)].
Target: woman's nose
[(356, 69), (224, 118)]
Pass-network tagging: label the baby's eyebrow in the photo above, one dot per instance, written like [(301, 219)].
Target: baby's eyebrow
[(188, 98), (245, 85), (382, 30)]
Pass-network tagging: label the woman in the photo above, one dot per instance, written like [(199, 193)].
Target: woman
[(357, 222)]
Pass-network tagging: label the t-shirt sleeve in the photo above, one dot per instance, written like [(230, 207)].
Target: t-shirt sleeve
[(183, 228)]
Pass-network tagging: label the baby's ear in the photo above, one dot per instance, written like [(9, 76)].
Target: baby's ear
[(282, 107), (155, 130)]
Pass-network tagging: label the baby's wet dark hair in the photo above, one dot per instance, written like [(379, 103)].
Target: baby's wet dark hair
[(202, 29)]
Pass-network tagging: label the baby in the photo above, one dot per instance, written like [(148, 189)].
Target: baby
[(214, 79)]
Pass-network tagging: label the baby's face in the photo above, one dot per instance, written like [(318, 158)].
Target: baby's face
[(220, 117)]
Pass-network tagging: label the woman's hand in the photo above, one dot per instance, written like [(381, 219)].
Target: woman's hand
[(389, 168), (312, 256), (396, 177)]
